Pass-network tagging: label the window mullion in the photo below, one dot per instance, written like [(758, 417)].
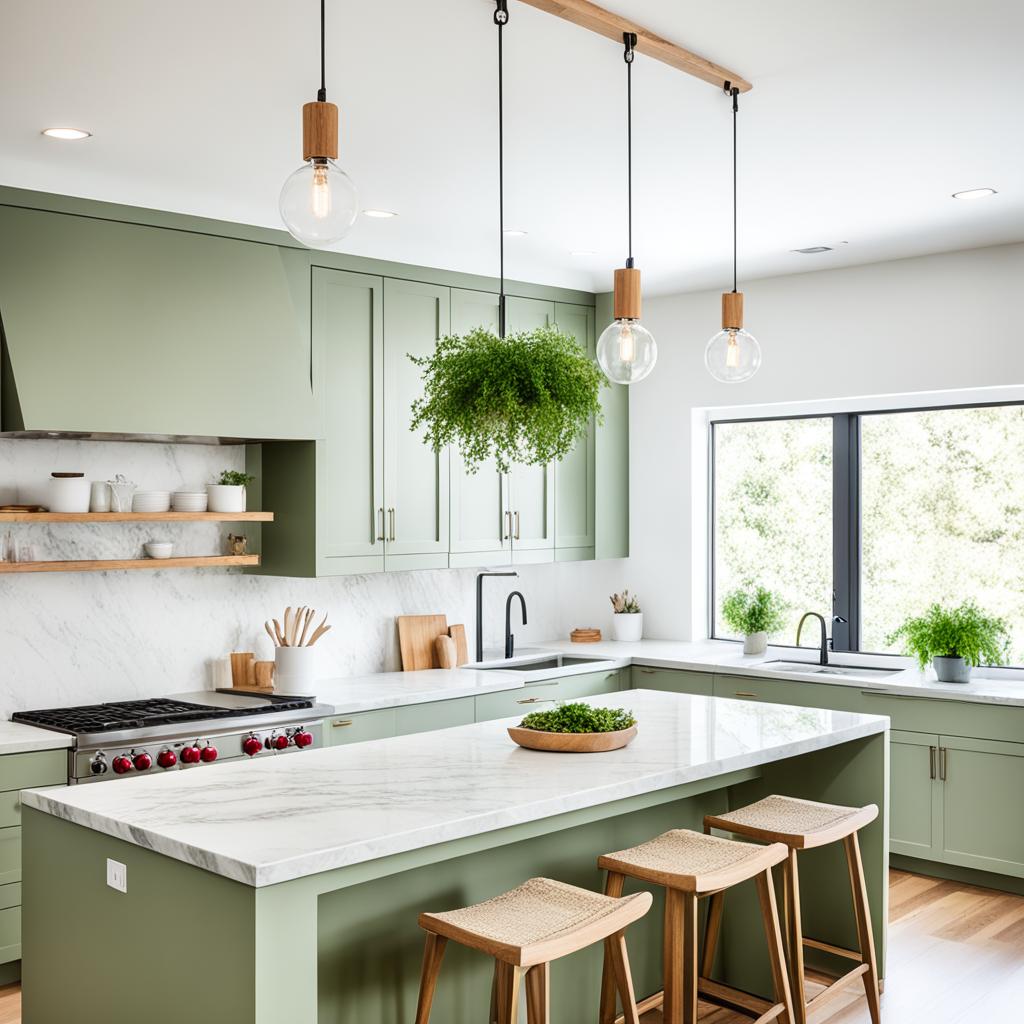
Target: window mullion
[(846, 530)]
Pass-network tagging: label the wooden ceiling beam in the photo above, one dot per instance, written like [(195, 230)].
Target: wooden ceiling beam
[(589, 16)]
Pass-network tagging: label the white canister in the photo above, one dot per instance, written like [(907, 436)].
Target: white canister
[(225, 498), (99, 496), (68, 492), (628, 628), (295, 668)]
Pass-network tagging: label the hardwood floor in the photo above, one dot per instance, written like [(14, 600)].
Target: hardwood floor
[(956, 955)]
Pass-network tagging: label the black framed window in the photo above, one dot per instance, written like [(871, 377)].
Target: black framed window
[(872, 516)]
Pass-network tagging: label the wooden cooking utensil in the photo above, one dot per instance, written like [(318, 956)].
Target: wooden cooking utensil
[(458, 634), (270, 633), (444, 647), (416, 636), (280, 634), (306, 620)]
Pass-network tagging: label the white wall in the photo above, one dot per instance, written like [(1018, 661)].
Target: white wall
[(79, 638), (936, 322)]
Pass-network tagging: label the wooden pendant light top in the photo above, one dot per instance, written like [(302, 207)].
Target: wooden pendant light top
[(732, 311), (627, 302), (319, 131)]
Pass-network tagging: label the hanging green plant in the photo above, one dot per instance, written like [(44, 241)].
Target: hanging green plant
[(527, 398)]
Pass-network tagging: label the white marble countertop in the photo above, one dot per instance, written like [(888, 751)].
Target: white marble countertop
[(16, 738), (277, 819)]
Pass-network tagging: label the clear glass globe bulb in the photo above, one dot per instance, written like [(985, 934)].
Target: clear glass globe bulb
[(626, 351), (732, 356), (319, 203)]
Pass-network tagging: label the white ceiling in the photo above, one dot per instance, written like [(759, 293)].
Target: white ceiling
[(864, 117)]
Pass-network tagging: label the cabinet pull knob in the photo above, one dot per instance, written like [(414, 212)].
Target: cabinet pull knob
[(931, 762), (342, 724), (943, 755), (744, 693), (516, 535), (380, 521)]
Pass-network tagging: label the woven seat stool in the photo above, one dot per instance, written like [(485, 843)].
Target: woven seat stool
[(804, 825), (524, 930), (690, 866)]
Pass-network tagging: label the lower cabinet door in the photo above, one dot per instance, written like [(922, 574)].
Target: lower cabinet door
[(915, 795), (438, 714), (10, 934), (674, 680), (981, 802), (365, 725)]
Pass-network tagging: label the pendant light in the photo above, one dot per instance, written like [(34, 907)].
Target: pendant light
[(319, 203), (733, 355), (626, 350)]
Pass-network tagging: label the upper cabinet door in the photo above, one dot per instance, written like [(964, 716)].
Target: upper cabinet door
[(123, 328), (532, 488), (575, 475), (480, 523), (416, 478), (348, 341)]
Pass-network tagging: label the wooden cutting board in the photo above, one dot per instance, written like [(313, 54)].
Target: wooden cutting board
[(416, 636), (458, 634)]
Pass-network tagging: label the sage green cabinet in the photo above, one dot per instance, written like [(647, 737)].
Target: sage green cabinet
[(359, 727), (915, 795), (438, 714), (674, 680), (536, 696)]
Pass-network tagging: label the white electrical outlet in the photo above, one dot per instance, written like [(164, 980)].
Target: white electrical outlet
[(117, 875)]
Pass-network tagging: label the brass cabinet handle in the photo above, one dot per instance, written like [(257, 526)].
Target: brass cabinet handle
[(533, 700), (931, 762), (744, 693), (341, 724), (943, 755), (380, 520), (516, 534), (508, 525), (391, 522), (648, 671)]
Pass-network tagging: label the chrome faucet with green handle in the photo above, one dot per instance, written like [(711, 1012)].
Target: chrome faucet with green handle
[(826, 640)]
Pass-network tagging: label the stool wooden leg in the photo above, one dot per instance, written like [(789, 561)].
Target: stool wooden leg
[(508, 979), (433, 952), (538, 997), (712, 930), (613, 887), (680, 940), (795, 939), (773, 934), (862, 913), (615, 947)]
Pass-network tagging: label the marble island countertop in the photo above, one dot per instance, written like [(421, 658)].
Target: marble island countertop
[(278, 819)]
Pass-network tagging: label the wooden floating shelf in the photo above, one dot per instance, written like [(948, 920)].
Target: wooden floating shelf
[(116, 564), (136, 517)]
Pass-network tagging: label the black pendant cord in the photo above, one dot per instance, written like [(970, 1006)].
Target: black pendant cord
[(322, 91), (629, 38), (735, 93), (500, 19)]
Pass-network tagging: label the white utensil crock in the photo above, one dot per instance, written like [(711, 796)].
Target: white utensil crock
[(296, 667)]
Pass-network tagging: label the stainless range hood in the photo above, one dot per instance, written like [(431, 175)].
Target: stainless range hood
[(116, 330)]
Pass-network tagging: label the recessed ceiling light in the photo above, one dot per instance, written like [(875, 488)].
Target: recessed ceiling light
[(514, 233), (812, 250), (582, 252), (974, 193), (382, 214), (66, 133)]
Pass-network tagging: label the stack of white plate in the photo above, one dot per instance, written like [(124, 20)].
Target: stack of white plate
[(151, 501), (189, 501)]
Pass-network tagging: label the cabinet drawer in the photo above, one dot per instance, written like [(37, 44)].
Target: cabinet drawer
[(357, 728), (10, 934), (10, 895), (537, 696), (943, 715), (590, 685), (786, 691), (39, 768), (440, 714), (674, 680), (10, 855)]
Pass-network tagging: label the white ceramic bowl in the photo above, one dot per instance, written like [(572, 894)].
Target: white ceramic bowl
[(158, 549), (151, 501), (189, 501)]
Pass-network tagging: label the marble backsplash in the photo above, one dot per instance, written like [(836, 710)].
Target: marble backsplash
[(74, 638)]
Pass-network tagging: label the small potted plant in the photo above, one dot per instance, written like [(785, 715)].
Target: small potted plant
[(575, 729), (228, 493), (954, 640), (754, 613), (628, 620)]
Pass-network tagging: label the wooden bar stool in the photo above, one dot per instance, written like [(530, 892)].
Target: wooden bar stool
[(691, 865), (803, 825), (524, 930)]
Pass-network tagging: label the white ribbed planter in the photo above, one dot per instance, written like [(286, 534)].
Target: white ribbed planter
[(628, 628), (755, 643)]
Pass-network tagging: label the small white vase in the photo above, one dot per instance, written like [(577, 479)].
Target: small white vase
[(295, 668), (627, 628), (225, 498), (755, 643)]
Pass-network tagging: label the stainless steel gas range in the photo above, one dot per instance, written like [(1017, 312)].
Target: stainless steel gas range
[(190, 730)]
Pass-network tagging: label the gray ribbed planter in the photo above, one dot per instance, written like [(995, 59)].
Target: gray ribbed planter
[(951, 670)]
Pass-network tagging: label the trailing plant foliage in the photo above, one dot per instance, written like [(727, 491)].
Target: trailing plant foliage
[(578, 718), (754, 611), (234, 478), (625, 603), (527, 398), (965, 632)]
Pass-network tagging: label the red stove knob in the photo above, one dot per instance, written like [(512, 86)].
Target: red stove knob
[(121, 764), (279, 742), (252, 745), (143, 762), (190, 755), (208, 753), (167, 759), (303, 738)]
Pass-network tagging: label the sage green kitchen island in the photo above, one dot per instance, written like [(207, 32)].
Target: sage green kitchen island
[(288, 889)]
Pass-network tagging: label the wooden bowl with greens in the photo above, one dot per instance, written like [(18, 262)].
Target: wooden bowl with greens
[(575, 729)]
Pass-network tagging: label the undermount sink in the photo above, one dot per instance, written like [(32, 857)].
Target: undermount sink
[(811, 669), (534, 664)]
